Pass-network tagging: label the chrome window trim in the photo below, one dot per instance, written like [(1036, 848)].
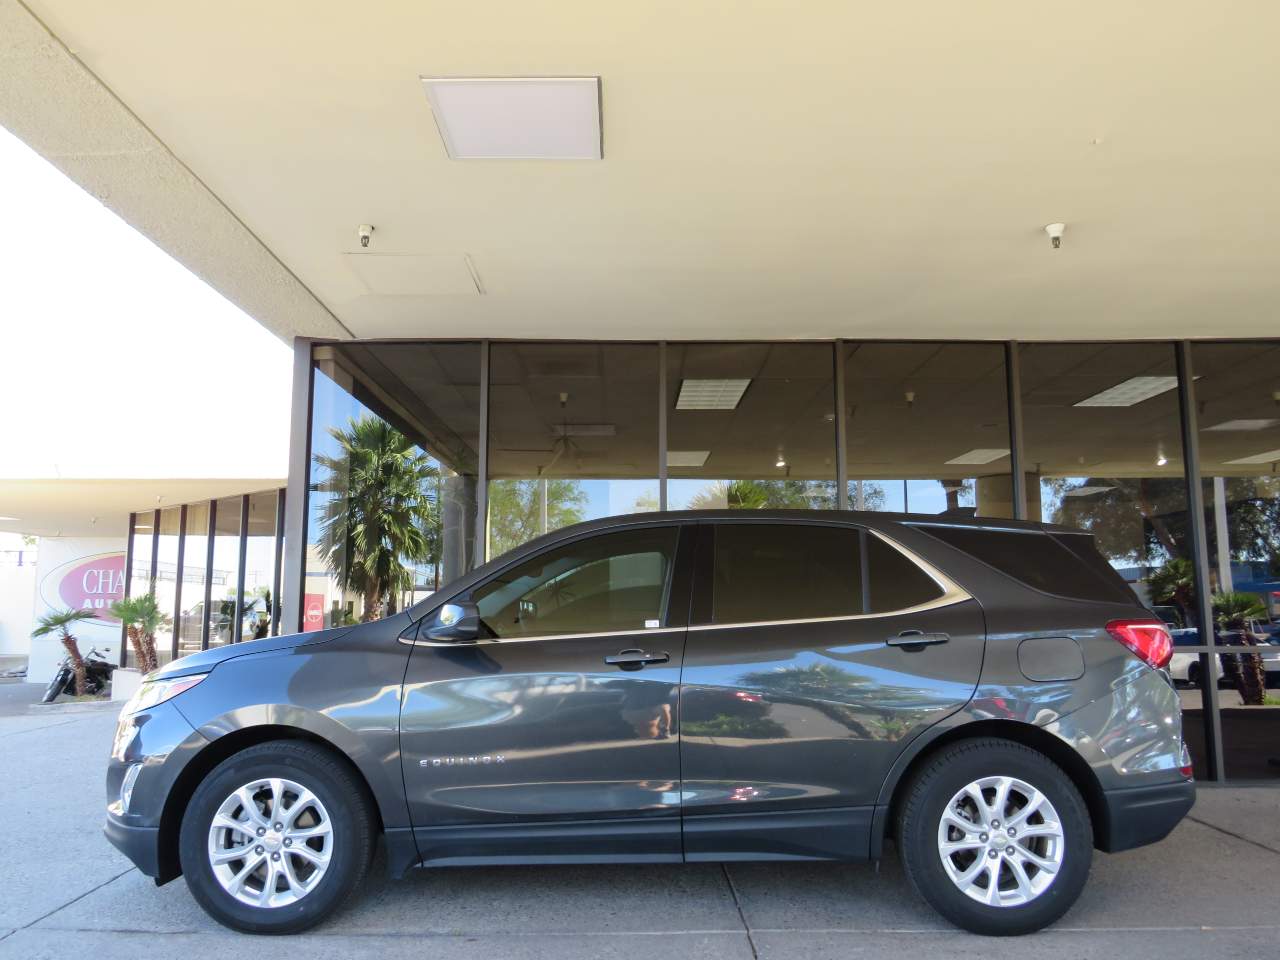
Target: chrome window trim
[(647, 631)]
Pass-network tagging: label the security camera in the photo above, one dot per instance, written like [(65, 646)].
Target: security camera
[(365, 233), (1055, 231)]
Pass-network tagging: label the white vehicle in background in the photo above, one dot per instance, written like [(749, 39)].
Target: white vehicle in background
[(1185, 668)]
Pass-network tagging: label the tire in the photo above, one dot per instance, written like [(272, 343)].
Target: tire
[(59, 681), (306, 893), (1193, 675), (1042, 896)]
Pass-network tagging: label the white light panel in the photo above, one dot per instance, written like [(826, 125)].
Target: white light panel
[(1270, 456), (980, 455), (517, 118), (687, 458), (711, 394), (1243, 425), (1130, 392)]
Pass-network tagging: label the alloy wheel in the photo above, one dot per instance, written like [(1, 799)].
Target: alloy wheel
[(1001, 841), (270, 842)]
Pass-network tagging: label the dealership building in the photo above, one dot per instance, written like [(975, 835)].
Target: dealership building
[(570, 266)]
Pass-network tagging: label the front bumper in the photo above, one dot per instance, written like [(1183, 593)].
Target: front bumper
[(1140, 815), (139, 844)]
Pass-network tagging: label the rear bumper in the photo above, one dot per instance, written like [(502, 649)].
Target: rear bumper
[(139, 844), (1140, 815)]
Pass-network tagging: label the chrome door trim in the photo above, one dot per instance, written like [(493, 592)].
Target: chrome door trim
[(650, 631)]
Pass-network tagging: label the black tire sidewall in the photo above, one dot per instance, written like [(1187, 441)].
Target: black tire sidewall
[(342, 800), (946, 776)]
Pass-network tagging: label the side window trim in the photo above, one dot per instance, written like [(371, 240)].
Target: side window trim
[(700, 621)]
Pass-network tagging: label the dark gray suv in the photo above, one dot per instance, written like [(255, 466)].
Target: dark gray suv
[(678, 687)]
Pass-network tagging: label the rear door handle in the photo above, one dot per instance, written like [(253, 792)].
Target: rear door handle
[(917, 638), (636, 659)]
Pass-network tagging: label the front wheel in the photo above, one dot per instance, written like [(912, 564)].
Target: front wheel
[(56, 685), (277, 838), (995, 837)]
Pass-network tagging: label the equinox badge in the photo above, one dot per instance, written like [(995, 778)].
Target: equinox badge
[(462, 761)]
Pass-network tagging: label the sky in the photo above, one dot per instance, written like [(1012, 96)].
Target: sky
[(115, 360)]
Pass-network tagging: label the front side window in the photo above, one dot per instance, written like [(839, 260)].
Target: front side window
[(773, 571), (612, 582)]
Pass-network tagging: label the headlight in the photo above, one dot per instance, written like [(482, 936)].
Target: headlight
[(152, 693)]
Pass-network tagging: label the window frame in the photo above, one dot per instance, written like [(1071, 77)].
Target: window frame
[(675, 591), (701, 605)]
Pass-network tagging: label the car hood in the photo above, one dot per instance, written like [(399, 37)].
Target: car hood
[(206, 660)]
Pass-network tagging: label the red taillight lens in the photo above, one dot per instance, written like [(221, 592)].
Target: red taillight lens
[(1149, 639)]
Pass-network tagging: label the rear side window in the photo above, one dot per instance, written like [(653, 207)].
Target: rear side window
[(1084, 548), (895, 582), (765, 571), (1036, 559)]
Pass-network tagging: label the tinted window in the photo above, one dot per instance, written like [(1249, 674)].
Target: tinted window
[(895, 582), (784, 572), (615, 581), (1085, 549), (1030, 557)]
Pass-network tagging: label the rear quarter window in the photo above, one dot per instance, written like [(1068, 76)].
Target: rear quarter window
[(1069, 566)]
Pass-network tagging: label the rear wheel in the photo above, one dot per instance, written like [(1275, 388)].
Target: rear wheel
[(276, 838), (995, 837)]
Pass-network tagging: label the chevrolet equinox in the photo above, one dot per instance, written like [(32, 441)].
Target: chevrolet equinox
[(680, 687)]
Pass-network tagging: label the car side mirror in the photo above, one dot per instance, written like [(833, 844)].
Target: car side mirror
[(455, 622)]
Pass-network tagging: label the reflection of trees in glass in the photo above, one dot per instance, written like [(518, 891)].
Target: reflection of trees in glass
[(515, 510), (873, 495), (1133, 519), (1253, 520), (380, 511), (1175, 583), (766, 495), (1232, 612), (955, 491)]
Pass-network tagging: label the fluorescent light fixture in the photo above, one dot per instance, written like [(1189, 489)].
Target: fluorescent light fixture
[(1130, 392), (1269, 456), (711, 394), (687, 458), (980, 455), (8, 518), (1243, 425), (1086, 491), (517, 118)]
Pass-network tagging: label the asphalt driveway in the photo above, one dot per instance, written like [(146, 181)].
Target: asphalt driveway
[(1211, 890)]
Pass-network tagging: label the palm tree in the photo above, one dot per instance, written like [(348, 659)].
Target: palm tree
[(61, 620), (1174, 583), (142, 617), (1233, 611), (379, 511)]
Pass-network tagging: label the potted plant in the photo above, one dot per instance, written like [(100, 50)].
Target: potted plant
[(1232, 612), (142, 617), (61, 620)]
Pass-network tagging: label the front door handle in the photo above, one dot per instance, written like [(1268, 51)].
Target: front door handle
[(636, 659), (917, 638)]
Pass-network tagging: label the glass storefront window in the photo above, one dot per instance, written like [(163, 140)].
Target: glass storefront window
[(1239, 419), (167, 577), (394, 476), (195, 554), (928, 428), (259, 567), (750, 426), (573, 435), (225, 574), (143, 542)]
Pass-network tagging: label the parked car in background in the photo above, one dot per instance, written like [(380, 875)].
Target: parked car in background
[(681, 687), (1185, 668)]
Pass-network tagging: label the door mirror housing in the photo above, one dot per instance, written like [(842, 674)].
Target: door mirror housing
[(456, 622)]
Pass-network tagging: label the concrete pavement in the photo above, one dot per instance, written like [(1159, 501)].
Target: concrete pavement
[(1211, 890)]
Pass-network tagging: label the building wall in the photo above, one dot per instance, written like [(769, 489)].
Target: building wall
[(81, 572)]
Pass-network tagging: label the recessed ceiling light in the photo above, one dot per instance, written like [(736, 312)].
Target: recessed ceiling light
[(517, 118), (781, 461), (1269, 456), (9, 518), (980, 455), (1129, 392), (687, 458), (711, 394), (1161, 460), (1244, 425)]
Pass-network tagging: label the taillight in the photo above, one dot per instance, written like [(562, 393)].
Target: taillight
[(1149, 639)]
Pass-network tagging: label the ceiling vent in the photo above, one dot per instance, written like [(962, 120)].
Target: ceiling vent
[(517, 118)]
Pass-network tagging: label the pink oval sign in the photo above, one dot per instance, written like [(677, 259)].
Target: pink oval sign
[(94, 584)]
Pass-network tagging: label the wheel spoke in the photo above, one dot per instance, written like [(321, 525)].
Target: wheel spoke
[(1020, 875), (305, 800), (317, 857), (232, 854), (306, 833), (1034, 802), (223, 822), (1044, 863), (993, 880), (1002, 797), (237, 882), (250, 806), (277, 799), (959, 846)]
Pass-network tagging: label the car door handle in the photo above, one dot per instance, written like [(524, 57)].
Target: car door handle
[(636, 659), (917, 638)]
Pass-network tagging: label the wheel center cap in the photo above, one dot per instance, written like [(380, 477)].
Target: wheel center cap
[(272, 840), (999, 839)]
